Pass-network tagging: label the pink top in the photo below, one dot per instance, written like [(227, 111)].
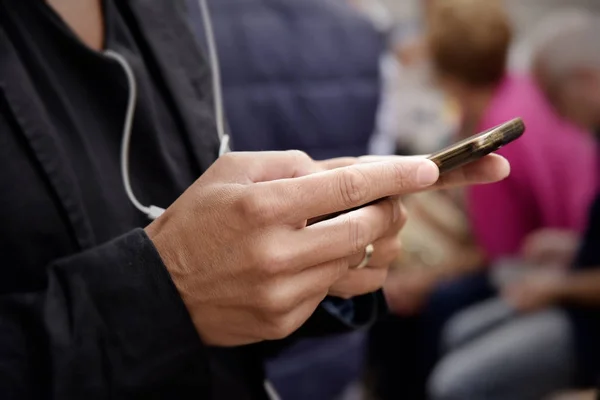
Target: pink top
[(553, 174)]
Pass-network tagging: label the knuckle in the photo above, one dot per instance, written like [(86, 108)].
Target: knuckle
[(399, 211), (403, 214), (341, 267), (372, 281), (270, 259), (253, 207), (345, 296), (276, 259), (353, 187), (394, 251), (392, 213), (359, 231), (300, 156), (274, 302), (280, 328), (229, 158), (378, 280), (402, 175)]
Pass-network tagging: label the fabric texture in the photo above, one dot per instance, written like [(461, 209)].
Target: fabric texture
[(553, 173), (87, 308), (525, 358), (297, 74)]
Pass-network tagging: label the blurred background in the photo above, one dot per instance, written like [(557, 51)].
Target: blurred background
[(524, 14), (476, 300)]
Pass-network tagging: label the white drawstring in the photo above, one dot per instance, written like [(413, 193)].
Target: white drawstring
[(153, 211), (216, 76)]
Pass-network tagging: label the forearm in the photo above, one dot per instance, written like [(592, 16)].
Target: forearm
[(581, 288)]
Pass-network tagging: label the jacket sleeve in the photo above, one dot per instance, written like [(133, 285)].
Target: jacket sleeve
[(109, 321)]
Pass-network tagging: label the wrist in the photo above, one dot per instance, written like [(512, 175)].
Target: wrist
[(162, 242)]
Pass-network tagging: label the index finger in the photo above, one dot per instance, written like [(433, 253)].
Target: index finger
[(345, 188), (489, 169)]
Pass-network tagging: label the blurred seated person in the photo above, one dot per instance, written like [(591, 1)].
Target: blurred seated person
[(553, 164), (415, 116), (553, 344), (551, 185), (567, 67)]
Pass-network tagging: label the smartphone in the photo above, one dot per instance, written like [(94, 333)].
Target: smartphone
[(465, 152), (475, 147)]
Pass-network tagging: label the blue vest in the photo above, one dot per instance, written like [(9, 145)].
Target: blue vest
[(297, 74), (300, 74)]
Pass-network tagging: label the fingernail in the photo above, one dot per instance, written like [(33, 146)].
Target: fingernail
[(427, 173)]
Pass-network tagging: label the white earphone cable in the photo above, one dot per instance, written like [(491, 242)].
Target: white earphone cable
[(216, 75), (152, 211)]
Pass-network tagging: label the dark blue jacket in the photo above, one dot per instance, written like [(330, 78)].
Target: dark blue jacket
[(297, 74), (300, 74)]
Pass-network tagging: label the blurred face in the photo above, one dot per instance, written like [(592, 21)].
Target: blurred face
[(575, 96)]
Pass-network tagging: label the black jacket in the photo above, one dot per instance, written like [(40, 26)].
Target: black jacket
[(81, 318)]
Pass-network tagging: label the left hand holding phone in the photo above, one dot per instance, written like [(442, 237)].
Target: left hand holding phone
[(489, 169)]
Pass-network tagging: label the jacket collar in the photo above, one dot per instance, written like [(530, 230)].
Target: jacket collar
[(185, 72), (184, 68), (35, 125)]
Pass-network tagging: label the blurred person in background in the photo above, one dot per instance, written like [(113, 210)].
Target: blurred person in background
[(469, 43), (553, 342), (551, 186), (415, 117), (567, 67), (303, 74)]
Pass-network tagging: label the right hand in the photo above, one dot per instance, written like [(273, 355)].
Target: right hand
[(238, 248)]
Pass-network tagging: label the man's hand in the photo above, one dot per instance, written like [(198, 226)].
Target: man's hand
[(239, 250)]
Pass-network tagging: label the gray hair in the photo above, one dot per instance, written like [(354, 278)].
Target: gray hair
[(567, 39)]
